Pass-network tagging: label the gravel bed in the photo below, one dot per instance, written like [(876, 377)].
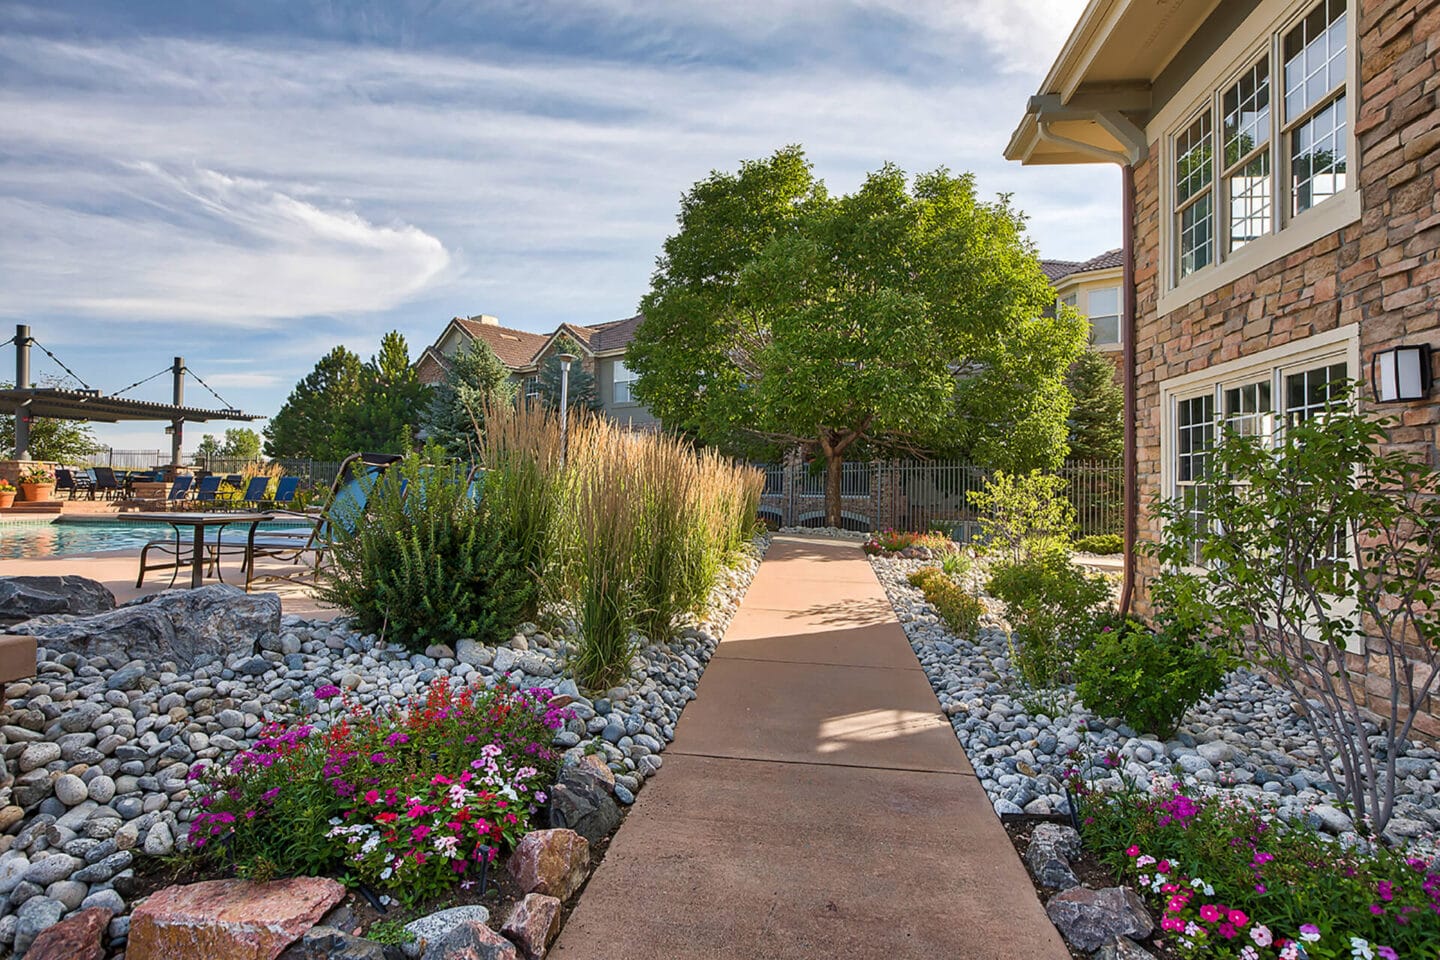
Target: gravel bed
[(1246, 738), (101, 752)]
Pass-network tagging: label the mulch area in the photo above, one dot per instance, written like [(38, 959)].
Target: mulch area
[(1091, 873)]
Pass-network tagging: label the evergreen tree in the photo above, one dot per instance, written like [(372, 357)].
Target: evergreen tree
[(1096, 422), (315, 420), (392, 400), (476, 377), (581, 393)]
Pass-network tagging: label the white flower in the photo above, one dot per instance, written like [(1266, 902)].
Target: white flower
[(1360, 949)]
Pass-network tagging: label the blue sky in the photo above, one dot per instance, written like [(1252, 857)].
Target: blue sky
[(249, 182)]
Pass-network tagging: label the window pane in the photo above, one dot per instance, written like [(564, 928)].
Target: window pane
[(1197, 243), (1247, 113), (1317, 151), (1248, 410), (1249, 190), (1192, 159), (1105, 330), (1195, 436), (1308, 391), (1314, 57), (1104, 302), (623, 380)]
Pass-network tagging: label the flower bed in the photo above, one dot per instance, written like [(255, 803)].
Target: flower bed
[(1231, 880), (406, 802)]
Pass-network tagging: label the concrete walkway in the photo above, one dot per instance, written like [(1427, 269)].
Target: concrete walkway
[(815, 803)]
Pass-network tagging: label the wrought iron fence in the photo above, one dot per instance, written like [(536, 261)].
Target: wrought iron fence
[(127, 459)]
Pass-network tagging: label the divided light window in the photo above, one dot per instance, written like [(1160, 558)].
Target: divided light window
[(1104, 307), (1225, 193), (624, 382)]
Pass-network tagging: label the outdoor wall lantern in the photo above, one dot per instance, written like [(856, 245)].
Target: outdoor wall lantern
[(1401, 374)]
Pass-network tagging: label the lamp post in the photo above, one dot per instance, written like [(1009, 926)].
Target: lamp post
[(565, 360)]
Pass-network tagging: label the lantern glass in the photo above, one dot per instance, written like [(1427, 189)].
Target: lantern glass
[(1401, 374)]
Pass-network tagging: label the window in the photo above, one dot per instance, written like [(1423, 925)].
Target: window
[(1246, 404), (624, 383), (1104, 307), (1231, 158), (532, 387)]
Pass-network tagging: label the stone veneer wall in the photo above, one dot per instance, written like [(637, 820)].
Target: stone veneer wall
[(1382, 272)]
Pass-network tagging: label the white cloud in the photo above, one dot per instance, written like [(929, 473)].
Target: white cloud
[(221, 380)]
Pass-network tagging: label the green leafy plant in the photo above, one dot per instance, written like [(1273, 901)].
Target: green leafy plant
[(406, 802), (428, 564), (960, 611), (1149, 678), (1101, 543), (1024, 515), (1050, 604), (37, 474), (390, 932)]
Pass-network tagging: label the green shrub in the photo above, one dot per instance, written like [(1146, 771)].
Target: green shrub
[(1102, 543), (960, 611), (408, 803), (1050, 604), (428, 564), (957, 565), (1024, 515), (1149, 678)]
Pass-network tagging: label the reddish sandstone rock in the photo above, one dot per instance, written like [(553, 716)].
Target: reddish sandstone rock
[(552, 862), (533, 924), (229, 919), (471, 940), (593, 766), (76, 938)]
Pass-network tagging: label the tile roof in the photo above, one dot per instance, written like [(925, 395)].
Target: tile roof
[(615, 335), (1056, 270), (515, 348)]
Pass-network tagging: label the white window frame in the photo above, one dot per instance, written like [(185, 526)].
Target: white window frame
[(1262, 32), (617, 383), (1118, 342)]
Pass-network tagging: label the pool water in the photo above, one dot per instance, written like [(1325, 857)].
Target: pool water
[(28, 541)]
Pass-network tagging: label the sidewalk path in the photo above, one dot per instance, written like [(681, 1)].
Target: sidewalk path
[(814, 804)]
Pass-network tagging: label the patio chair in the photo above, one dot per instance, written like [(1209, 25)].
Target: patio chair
[(72, 481), (254, 491), (285, 491), (344, 510), (208, 492), (179, 490), (475, 483), (106, 483)]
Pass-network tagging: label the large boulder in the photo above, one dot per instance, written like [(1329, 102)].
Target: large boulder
[(1052, 847), (471, 940), (78, 937), (329, 943), (552, 862), (22, 598), (183, 626), (229, 919), (435, 927), (1091, 918), (581, 801), (533, 924)]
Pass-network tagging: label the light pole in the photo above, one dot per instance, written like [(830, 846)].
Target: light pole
[(565, 360)]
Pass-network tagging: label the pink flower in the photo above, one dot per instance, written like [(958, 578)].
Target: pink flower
[(1227, 931), (1387, 953), (1261, 935), (1238, 918), (1172, 924), (372, 796), (1210, 913), (1309, 932), (1132, 851)]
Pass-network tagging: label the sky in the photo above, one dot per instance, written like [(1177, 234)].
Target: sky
[(248, 183)]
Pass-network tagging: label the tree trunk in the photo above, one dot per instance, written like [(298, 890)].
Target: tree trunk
[(834, 473)]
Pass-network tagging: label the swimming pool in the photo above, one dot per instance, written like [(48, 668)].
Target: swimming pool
[(30, 540)]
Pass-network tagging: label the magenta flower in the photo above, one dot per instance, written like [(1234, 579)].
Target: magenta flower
[(327, 692)]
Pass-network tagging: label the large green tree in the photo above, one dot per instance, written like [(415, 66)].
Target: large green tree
[(907, 315), (1096, 423), (314, 421), (581, 393), (60, 441), (475, 378), (392, 400)]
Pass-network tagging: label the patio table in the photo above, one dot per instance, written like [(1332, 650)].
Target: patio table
[(199, 522)]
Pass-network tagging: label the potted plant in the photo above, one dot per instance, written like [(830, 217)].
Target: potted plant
[(36, 483), (7, 494)]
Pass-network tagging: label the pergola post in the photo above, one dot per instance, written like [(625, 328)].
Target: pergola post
[(22, 380), (177, 426)]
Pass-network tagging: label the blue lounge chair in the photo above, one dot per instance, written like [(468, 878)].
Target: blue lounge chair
[(285, 491), (208, 492), (255, 491), (180, 489), (345, 511), (475, 483), (106, 484)]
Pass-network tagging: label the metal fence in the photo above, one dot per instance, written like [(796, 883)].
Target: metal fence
[(127, 459), (925, 494), (318, 473)]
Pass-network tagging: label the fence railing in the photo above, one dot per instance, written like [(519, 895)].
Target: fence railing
[(127, 459), (921, 494)]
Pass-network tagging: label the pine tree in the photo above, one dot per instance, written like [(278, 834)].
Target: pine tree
[(392, 400), (315, 420), (476, 377), (581, 392), (1096, 424)]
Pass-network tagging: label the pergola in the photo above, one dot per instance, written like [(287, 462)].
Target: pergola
[(58, 403)]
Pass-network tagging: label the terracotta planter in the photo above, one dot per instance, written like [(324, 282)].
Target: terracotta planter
[(7, 499), (36, 491)]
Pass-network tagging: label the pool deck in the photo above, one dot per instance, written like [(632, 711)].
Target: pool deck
[(116, 569)]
